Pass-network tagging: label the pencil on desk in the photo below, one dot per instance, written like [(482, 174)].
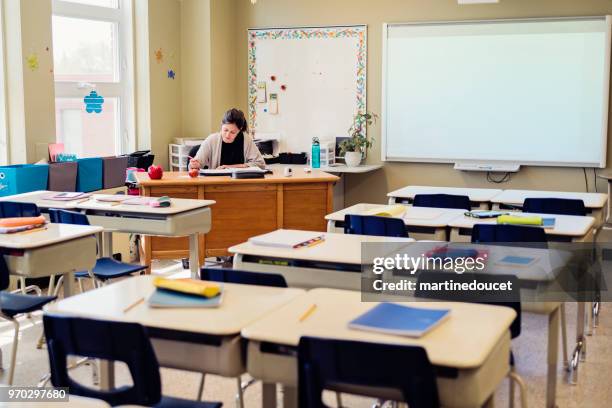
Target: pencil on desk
[(308, 312), (83, 200), (133, 305)]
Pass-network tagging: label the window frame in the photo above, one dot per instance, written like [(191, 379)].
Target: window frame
[(125, 138)]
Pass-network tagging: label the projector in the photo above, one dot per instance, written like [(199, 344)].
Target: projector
[(501, 168)]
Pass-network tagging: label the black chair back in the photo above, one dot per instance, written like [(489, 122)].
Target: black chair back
[(373, 225), (10, 209), (67, 217), (243, 277), (519, 235), (323, 363), (442, 201), (561, 206), (113, 341)]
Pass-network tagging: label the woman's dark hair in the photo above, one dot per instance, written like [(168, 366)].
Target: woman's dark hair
[(235, 117)]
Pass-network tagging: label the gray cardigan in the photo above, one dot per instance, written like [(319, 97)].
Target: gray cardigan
[(209, 153)]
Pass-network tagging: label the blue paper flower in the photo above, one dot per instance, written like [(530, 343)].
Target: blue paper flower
[(171, 74), (93, 102)]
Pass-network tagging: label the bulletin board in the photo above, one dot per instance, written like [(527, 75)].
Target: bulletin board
[(306, 82)]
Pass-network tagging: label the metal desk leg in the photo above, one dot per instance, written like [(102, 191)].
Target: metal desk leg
[(552, 358), (268, 395), (579, 353), (107, 375), (68, 282), (107, 244), (194, 256), (289, 397)]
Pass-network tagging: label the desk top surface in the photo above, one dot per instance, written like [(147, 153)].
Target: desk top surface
[(51, 234), (568, 225), (415, 216), (463, 341), (517, 197), (36, 197), (177, 206), (241, 305), (337, 248), (182, 178), (343, 168), (475, 194)]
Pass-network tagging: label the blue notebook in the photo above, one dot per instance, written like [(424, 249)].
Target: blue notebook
[(391, 318), (172, 299)]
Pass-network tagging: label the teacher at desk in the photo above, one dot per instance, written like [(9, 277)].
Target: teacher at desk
[(232, 147)]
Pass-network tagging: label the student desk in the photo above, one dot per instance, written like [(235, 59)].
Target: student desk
[(336, 262), (473, 345), (244, 207), (74, 401), (567, 227), (184, 217), (205, 340), (59, 249), (594, 202), (480, 197), (421, 222)]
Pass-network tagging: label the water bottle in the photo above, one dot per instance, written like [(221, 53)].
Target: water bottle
[(315, 158)]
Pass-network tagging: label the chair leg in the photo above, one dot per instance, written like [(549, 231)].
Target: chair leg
[(80, 282), (514, 377), (239, 395), (201, 388), (11, 374), (59, 284), (564, 337)]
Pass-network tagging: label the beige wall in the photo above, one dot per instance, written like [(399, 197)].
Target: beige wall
[(374, 186), (166, 101), (30, 93)]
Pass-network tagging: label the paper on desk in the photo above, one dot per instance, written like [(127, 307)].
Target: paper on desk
[(396, 210)]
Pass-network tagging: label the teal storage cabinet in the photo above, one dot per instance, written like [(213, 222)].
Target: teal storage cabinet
[(23, 178), (89, 174)]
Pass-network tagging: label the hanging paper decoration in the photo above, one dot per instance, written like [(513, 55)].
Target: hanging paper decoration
[(159, 55), (284, 87), (273, 78), (93, 102), (32, 61), (171, 74)]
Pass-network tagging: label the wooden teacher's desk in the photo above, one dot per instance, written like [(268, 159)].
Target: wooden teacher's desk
[(244, 207)]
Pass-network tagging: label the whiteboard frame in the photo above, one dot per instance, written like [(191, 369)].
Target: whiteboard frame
[(606, 107), (251, 118)]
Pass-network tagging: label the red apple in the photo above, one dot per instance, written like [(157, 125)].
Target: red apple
[(193, 173), (155, 172)]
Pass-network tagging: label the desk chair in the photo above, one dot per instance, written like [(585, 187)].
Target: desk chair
[(245, 278), (373, 225), (326, 363), (561, 206), (442, 201), (105, 268), (113, 341), (12, 305), (510, 298)]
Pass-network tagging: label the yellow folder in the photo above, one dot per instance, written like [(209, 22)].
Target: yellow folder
[(519, 220), (190, 286), (396, 210)]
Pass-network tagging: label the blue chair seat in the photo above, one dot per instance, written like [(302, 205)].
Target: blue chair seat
[(170, 402), (108, 268), (12, 304)]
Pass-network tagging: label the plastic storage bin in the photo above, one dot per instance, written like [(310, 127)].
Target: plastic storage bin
[(114, 171), (89, 175), (63, 176), (23, 178)]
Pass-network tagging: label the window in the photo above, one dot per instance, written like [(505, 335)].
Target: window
[(92, 52)]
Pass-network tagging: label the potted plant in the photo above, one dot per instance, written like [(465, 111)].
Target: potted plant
[(355, 146)]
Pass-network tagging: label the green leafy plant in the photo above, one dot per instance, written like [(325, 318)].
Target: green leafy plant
[(358, 141)]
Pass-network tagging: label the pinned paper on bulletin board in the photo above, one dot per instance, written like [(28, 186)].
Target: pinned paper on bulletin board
[(159, 55), (171, 74), (273, 107), (32, 61), (261, 92)]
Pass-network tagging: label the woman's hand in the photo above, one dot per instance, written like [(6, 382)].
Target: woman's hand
[(194, 164)]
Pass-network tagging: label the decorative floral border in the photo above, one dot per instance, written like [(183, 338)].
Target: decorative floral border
[(359, 32)]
